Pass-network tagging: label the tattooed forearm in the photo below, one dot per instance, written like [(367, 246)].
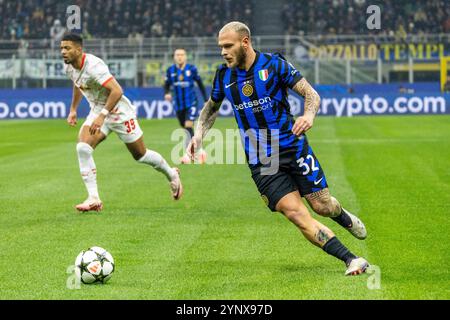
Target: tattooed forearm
[(312, 98), (207, 117)]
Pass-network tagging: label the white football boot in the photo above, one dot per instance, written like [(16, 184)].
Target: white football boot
[(175, 185), (90, 204), (358, 229), (356, 267)]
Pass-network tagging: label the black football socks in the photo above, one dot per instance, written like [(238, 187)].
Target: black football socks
[(335, 248), (189, 135), (343, 219)]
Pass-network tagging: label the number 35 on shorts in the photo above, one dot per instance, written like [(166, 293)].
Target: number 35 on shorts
[(131, 125)]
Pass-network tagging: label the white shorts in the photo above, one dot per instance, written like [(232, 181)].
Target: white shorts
[(124, 125)]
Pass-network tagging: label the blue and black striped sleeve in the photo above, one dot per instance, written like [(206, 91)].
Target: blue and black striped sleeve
[(195, 74), (287, 73), (167, 81), (217, 93)]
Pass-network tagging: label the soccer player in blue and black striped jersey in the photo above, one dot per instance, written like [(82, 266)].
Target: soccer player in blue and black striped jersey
[(182, 76), (257, 86)]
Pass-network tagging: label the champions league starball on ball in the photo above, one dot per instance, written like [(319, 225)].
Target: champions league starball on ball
[(94, 265)]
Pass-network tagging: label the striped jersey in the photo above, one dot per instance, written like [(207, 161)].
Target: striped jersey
[(260, 103), (182, 81)]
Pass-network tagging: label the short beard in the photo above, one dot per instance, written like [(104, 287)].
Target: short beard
[(241, 55)]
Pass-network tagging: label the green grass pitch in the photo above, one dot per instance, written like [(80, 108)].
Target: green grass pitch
[(220, 241)]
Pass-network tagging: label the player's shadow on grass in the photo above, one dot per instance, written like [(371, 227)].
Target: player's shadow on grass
[(88, 213), (309, 268)]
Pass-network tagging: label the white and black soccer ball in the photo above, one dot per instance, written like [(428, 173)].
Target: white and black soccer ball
[(94, 265)]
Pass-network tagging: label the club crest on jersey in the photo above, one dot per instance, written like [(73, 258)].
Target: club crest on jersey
[(263, 74), (188, 73), (247, 90)]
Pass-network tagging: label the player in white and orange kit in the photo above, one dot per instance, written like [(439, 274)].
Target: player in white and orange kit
[(110, 111)]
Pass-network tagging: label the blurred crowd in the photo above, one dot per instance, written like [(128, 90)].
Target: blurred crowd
[(38, 19), (398, 17)]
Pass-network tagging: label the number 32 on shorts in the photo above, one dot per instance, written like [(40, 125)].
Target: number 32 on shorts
[(302, 164), (130, 125)]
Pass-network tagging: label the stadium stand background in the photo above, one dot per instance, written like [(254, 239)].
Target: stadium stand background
[(31, 19), (148, 31), (34, 19), (400, 17)]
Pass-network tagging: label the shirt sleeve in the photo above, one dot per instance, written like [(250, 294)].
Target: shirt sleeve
[(167, 82), (101, 74), (195, 75), (287, 73), (217, 94), (168, 78)]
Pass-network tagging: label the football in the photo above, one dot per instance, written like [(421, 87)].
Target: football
[(94, 265)]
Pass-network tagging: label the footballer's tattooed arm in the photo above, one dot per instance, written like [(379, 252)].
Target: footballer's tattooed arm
[(207, 118), (312, 104), (312, 98)]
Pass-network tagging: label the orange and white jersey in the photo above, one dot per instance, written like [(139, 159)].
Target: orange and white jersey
[(91, 80)]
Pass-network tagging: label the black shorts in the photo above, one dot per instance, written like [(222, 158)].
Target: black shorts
[(188, 114), (297, 171)]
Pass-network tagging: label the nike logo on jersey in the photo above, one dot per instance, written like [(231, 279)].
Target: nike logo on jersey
[(318, 181), (229, 85)]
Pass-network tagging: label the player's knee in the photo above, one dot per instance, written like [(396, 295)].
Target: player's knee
[(84, 149), (322, 207), (325, 210)]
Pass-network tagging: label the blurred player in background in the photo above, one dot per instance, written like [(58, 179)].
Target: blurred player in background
[(256, 84), (110, 111), (181, 76)]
